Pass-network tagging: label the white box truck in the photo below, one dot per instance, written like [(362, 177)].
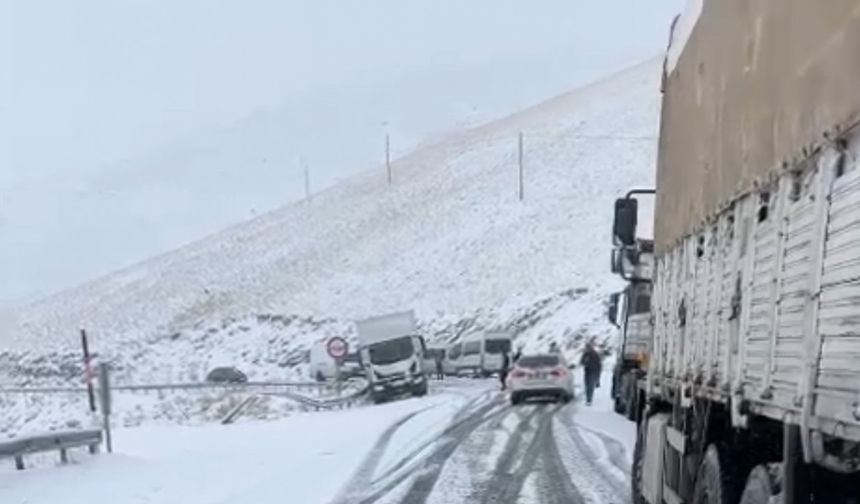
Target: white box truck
[(393, 355)]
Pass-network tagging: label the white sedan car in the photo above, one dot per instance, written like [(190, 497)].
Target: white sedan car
[(545, 375)]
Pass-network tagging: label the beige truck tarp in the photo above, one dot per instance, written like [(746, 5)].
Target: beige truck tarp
[(758, 82)]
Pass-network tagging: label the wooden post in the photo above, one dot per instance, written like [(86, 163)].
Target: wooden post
[(64, 456), (520, 163), (88, 371), (19, 462), (388, 157)]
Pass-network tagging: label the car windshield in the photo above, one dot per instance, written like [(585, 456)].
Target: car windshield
[(538, 361), (391, 351), (497, 346)]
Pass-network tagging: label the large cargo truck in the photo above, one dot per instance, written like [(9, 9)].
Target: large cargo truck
[(752, 390)]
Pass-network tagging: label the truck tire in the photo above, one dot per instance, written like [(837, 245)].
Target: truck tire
[(631, 403), (713, 484), (638, 464), (763, 485), (618, 405)]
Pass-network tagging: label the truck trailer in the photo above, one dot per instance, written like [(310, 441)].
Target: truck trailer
[(751, 392)]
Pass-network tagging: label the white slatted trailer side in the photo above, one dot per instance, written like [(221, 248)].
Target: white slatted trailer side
[(763, 304)]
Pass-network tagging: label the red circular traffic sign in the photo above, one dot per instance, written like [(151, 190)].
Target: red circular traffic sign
[(337, 347)]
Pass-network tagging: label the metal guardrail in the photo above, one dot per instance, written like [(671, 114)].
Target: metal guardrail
[(62, 441), (171, 386), (256, 389)]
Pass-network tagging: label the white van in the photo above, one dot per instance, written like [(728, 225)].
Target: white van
[(322, 365), (452, 358), (482, 354), (496, 344)]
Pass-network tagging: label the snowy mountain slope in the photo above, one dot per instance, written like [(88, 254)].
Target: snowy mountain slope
[(205, 106), (447, 239)]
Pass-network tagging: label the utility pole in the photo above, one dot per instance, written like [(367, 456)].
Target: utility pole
[(307, 182), (520, 162), (388, 156), (300, 163)]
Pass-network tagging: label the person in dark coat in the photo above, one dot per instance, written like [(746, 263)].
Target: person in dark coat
[(440, 372), (503, 373), (591, 369)]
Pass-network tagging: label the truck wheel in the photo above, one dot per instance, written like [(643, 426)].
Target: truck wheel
[(763, 486), (631, 405), (713, 485), (638, 464), (618, 405)]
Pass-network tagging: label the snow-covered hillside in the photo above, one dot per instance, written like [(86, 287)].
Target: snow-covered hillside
[(449, 239), (204, 107)]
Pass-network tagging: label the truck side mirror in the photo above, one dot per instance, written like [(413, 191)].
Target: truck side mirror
[(624, 226), (612, 313)]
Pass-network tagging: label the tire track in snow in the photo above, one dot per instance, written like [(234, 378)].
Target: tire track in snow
[(371, 461), (425, 481), (410, 464), (466, 415), (617, 451), (556, 485), (507, 483), (580, 461)]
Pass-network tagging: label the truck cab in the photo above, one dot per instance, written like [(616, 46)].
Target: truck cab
[(630, 309), (393, 355)]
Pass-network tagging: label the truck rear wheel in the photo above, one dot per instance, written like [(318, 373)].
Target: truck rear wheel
[(763, 486), (713, 485), (631, 406), (638, 464), (618, 405)]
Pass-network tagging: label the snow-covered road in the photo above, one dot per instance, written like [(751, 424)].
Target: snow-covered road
[(463, 443)]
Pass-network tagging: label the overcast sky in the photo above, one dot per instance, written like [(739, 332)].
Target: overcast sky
[(111, 112)]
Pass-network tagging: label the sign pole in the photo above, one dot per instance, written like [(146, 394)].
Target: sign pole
[(337, 349), (337, 377)]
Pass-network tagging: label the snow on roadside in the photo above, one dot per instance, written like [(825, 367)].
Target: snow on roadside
[(305, 458), (599, 420)]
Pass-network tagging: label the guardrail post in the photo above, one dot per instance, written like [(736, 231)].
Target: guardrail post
[(105, 399)]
